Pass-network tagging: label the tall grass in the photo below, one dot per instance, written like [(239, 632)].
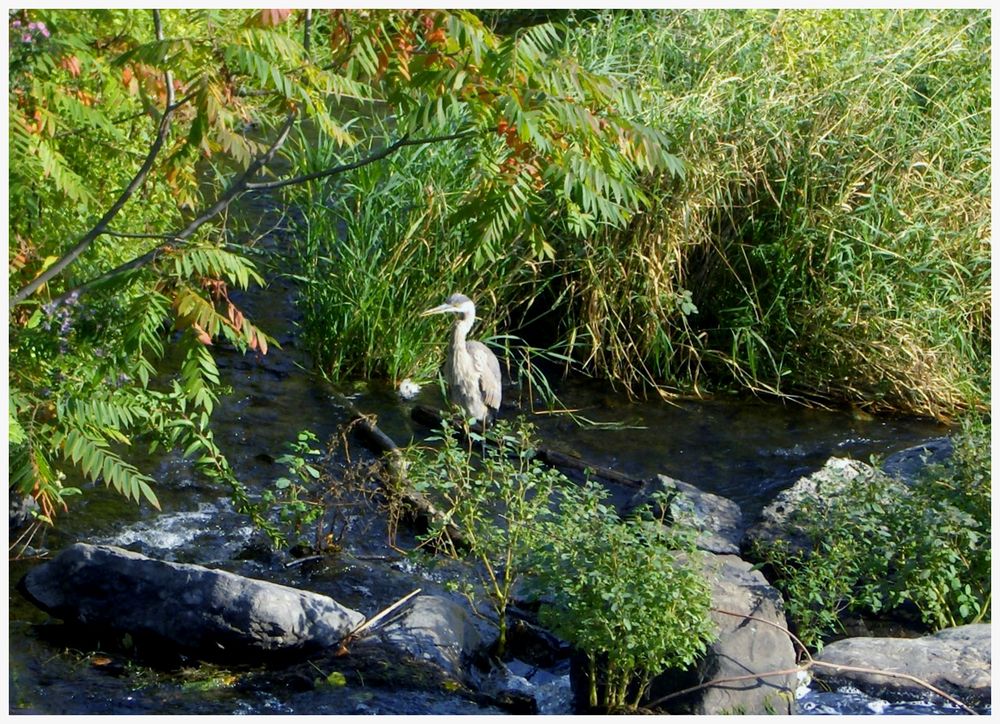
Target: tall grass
[(829, 242), (833, 227), (381, 246)]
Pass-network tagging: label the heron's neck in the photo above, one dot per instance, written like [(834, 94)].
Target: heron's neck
[(461, 328)]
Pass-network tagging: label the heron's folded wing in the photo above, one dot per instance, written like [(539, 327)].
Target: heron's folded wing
[(488, 367)]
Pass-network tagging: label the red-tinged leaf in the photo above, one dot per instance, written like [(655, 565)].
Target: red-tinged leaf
[(271, 18), (71, 64), (203, 336)]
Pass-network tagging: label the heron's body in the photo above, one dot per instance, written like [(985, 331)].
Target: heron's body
[(470, 368)]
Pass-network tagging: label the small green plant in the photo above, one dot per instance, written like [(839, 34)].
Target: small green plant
[(293, 494), (624, 592), (884, 543), (494, 506)]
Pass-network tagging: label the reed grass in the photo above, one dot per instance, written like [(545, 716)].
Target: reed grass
[(833, 226)]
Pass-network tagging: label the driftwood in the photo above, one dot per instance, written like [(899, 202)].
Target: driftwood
[(373, 438), (432, 418)]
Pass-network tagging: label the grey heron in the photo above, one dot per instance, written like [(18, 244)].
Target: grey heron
[(470, 369)]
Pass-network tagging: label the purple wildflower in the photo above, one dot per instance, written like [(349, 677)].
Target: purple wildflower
[(16, 24), (32, 26), (45, 31), (26, 38)]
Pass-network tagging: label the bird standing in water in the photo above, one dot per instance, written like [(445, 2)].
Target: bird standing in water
[(470, 369)]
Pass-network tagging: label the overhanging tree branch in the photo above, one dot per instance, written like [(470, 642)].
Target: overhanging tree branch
[(237, 188), (376, 156), (242, 185), (84, 243)]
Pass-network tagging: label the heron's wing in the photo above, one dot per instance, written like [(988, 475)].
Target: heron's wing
[(488, 369)]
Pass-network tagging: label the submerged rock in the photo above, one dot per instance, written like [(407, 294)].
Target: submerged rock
[(214, 613), (956, 660), (744, 647), (718, 520), (908, 464)]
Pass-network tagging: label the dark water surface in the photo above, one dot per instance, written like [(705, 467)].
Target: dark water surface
[(744, 450)]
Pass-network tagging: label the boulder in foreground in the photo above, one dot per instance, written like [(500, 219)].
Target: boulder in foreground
[(955, 660), (213, 613)]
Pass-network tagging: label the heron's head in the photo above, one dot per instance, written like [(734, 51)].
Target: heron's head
[(455, 304)]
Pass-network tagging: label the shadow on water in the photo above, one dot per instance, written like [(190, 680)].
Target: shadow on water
[(746, 451)]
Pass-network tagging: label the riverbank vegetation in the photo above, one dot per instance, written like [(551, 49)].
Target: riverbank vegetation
[(827, 241), (627, 594), (886, 547)]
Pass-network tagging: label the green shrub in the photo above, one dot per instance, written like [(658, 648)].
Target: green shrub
[(623, 593), (883, 544), (496, 506)]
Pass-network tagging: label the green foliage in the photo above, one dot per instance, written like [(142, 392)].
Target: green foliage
[(627, 593), (152, 114), (496, 506), (293, 495), (826, 237), (833, 222), (883, 544)]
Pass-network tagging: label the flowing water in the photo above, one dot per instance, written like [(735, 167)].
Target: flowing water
[(747, 451)]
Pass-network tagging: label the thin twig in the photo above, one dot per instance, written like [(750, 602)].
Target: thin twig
[(809, 663), (376, 156), (307, 32), (368, 623), (239, 186), (300, 561), (169, 76), (129, 235)]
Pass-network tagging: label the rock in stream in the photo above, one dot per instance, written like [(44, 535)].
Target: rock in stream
[(213, 613)]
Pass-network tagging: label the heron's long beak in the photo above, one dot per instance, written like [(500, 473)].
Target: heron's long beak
[(440, 309)]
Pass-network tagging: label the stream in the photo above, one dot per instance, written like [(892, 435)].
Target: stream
[(744, 450)]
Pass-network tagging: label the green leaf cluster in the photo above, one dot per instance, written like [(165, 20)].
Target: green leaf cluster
[(626, 593), (885, 545)]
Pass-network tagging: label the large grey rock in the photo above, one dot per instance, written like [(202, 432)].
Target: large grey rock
[(718, 520), (956, 660), (214, 613), (435, 630), (778, 519), (744, 647)]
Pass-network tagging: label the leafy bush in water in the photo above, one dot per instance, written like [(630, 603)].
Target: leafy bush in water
[(496, 506), (623, 593), (883, 544), (620, 591)]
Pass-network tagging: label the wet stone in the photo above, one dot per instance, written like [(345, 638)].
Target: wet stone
[(718, 520), (213, 613)]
